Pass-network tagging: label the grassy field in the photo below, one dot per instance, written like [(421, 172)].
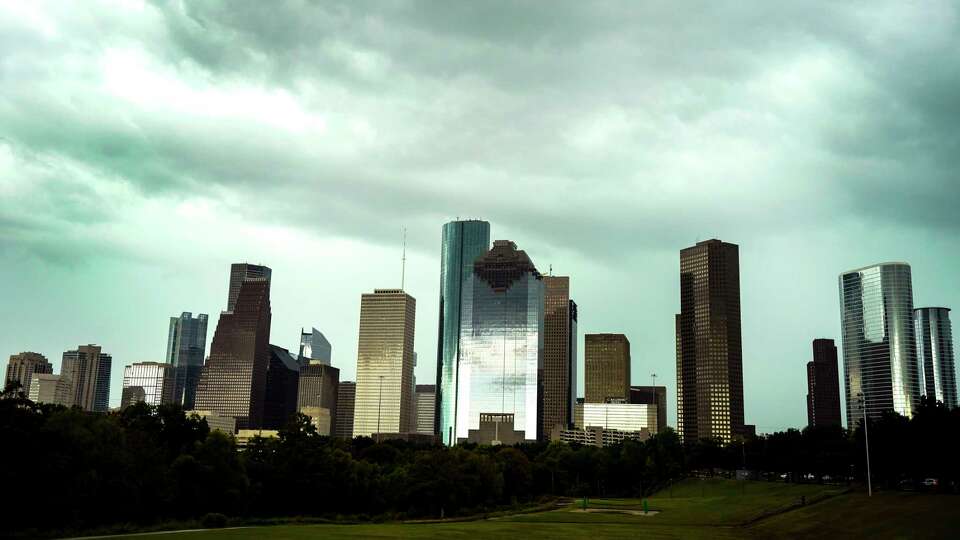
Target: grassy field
[(693, 509)]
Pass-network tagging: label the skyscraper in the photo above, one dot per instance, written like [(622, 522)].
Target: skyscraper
[(233, 382), (384, 397), (186, 345), (606, 368), (823, 385), (346, 400), (652, 395), (557, 378), (283, 381), (426, 401), (86, 372), (463, 242), (49, 388), (935, 353), (501, 347), (22, 367), (240, 272), (879, 341), (317, 395), (150, 382), (709, 350), (314, 346)]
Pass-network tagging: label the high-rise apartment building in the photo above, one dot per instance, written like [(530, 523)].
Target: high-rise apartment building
[(343, 417), (557, 379), (240, 272), (709, 349), (652, 395), (606, 368), (879, 342), (384, 398), (935, 353), (317, 394), (233, 381), (426, 401), (149, 382), (283, 381), (86, 371), (314, 346), (22, 367), (463, 242), (500, 348), (49, 388), (186, 345), (823, 385)]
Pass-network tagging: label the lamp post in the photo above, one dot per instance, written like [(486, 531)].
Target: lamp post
[(379, 402), (866, 441)]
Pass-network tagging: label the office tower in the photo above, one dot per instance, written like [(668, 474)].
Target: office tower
[(186, 345), (346, 400), (87, 370), (426, 397), (240, 272), (283, 381), (314, 346), (463, 242), (652, 395), (150, 382), (385, 363), (557, 378), (709, 353), (233, 382), (879, 342), (49, 388), (823, 385), (500, 349), (606, 368), (935, 354), (317, 394), (21, 368)]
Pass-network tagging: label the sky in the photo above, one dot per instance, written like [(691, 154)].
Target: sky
[(145, 146)]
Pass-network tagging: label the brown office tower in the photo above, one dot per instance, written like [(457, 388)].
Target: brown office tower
[(823, 385), (86, 372), (317, 395), (606, 368), (709, 354), (558, 375), (346, 398), (22, 366), (233, 382)]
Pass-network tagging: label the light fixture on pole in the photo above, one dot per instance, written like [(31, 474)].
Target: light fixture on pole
[(866, 441)]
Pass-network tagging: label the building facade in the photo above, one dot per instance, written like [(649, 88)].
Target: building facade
[(186, 346), (314, 346), (283, 381), (652, 395), (709, 348), (86, 371), (935, 354), (462, 243), (501, 343), (152, 383), (22, 367), (426, 395), (346, 403), (233, 381), (823, 385), (384, 400), (606, 368), (879, 341), (317, 392), (240, 272), (558, 377), (620, 416), (49, 388)]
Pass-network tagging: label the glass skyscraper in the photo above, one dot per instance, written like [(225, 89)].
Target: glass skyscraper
[(150, 382), (501, 343), (314, 346), (463, 242), (186, 345), (935, 353), (879, 345)]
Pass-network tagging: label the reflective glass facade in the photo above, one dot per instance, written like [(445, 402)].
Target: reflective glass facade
[(879, 345), (935, 353), (463, 242), (150, 382), (314, 346), (620, 416), (501, 342), (186, 346)]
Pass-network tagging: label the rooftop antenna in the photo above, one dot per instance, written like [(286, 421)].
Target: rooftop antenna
[(551, 270), (403, 260)]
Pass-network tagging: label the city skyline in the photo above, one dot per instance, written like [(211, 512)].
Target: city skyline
[(598, 161)]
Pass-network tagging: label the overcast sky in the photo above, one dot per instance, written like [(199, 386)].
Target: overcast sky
[(146, 146)]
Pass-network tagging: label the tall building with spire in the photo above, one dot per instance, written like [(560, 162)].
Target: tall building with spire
[(709, 348), (186, 346), (462, 243), (935, 353)]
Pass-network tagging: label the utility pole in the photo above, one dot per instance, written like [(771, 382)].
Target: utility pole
[(866, 441), (379, 402)]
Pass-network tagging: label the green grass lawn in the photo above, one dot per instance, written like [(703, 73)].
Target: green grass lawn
[(716, 509)]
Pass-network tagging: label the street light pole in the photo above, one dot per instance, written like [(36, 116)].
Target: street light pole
[(379, 402), (866, 440)]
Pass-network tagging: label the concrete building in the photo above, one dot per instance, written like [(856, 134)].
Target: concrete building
[(343, 417), (652, 395), (823, 385), (426, 398), (606, 368), (22, 367), (620, 416), (153, 383), (598, 436), (225, 424), (935, 354), (49, 388), (86, 371), (317, 395)]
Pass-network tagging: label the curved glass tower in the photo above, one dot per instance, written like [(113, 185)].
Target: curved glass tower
[(879, 349), (935, 352), (463, 243)]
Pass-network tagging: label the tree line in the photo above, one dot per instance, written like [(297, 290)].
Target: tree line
[(69, 470)]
